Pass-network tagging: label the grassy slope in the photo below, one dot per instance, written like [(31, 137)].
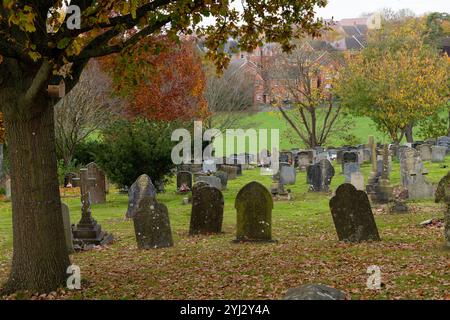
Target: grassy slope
[(412, 260), (274, 120)]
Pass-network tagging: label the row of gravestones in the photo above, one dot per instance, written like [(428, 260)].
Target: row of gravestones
[(350, 208), (218, 179), (151, 220)]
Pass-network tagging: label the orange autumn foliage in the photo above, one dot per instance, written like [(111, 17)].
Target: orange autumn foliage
[(161, 80)]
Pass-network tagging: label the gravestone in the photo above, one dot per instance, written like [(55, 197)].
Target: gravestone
[(413, 175), (184, 181), (254, 206), (88, 232), (438, 153), (8, 187), (349, 157), (207, 211), (68, 179), (425, 152), (321, 156), (304, 159), (143, 186), (223, 176), (98, 191), (209, 166), (67, 228), (357, 180), (287, 175), (444, 142), (314, 292), (319, 176), (152, 224), (352, 215), (231, 171), (443, 195), (213, 181), (349, 169), (286, 156)]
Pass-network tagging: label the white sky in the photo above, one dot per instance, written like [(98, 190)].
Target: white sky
[(341, 9)]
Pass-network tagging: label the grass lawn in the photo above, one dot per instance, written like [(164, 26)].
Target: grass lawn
[(363, 127), (413, 261)]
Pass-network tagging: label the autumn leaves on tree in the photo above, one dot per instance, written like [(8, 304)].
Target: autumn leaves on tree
[(397, 81)]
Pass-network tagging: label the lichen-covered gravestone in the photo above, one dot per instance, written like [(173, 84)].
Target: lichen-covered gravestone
[(152, 224), (443, 194), (254, 206), (67, 228), (143, 186), (352, 215), (207, 211)]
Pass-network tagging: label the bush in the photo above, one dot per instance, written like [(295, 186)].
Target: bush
[(64, 169), (130, 149), (86, 152)]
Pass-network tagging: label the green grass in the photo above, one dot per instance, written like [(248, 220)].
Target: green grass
[(363, 127), (412, 259)]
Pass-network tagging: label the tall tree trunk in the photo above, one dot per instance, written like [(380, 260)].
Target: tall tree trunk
[(409, 133), (40, 257)]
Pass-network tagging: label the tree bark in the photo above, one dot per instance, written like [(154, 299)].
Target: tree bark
[(40, 257), (409, 134)]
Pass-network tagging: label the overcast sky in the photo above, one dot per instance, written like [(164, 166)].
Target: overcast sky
[(341, 9)]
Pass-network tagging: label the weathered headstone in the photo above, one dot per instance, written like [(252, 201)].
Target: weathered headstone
[(143, 186), (152, 224), (357, 180), (349, 169), (352, 215), (98, 191), (184, 181), (438, 153), (207, 211), (413, 175), (443, 194), (67, 227), (287, 175), (319, 176), (349, 157), (254, 206), (231, 171), (213, 181), (304, 159), (209, 166), (444, 142), (425, 152), (223, 176)]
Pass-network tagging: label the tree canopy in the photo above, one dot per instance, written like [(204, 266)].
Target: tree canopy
[(396, 80)]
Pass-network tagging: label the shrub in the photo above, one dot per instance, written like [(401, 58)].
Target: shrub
[(130, 149)]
